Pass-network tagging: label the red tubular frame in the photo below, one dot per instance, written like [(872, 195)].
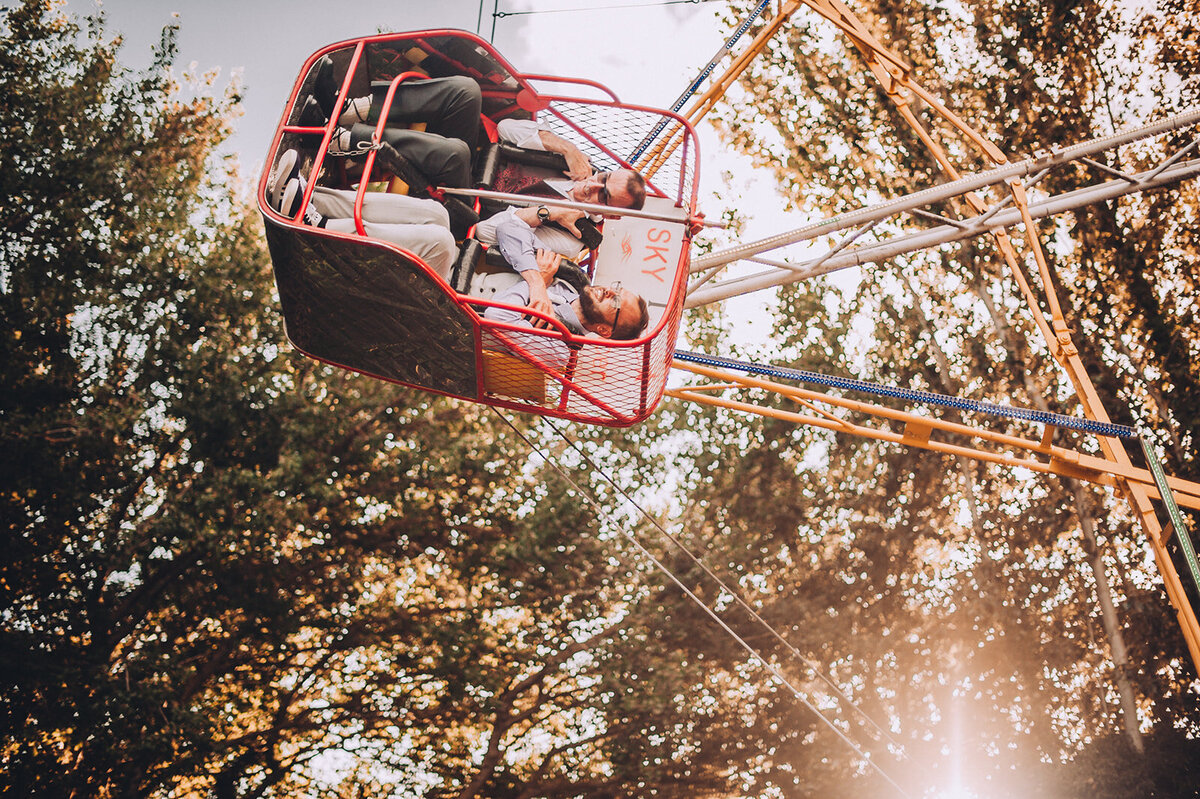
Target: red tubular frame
[(631, 392)]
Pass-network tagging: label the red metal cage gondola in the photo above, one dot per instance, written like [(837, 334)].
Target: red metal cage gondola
[(373, 307)]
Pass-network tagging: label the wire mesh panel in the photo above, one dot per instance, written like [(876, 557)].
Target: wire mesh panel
[(610, 135), (371, 309), (589, 380)]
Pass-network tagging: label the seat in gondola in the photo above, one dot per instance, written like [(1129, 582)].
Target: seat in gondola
[(376, 307)]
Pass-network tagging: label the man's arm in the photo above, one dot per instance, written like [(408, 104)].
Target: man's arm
[(549, 351), (517, 294), (517, 242), (547, 238), (519, 234), (578, 167), (566, 217), (518, 245), (539, 299), (528, 134)]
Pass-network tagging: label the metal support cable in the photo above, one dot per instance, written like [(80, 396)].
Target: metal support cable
[(658, 564), (725, 50), (914, 395), (716, 578)]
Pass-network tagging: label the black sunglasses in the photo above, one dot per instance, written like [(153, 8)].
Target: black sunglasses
[(618, 298)]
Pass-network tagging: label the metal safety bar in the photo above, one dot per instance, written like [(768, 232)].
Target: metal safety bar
[(783, 272), (946, 191), (1177, 523), (591, 208)]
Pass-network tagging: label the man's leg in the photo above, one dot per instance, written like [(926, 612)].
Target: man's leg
[(432, 244), (397, 209), (443, 161), (334, 203), (448, 106), (420, 226), (381, 207)]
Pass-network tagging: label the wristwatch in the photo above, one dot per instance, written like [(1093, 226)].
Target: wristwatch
[(543, 213)]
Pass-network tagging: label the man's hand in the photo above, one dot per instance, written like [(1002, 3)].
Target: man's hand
[(539, 301), (539, 281), (548, 261), (567, 217), (578, 167)]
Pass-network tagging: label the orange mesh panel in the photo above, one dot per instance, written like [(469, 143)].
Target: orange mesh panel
[(506, 375)]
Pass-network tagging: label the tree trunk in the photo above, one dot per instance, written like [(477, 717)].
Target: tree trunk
[(1095, 562)]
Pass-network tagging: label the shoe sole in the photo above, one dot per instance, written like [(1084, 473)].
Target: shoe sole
[(289, 199), (280, 176)]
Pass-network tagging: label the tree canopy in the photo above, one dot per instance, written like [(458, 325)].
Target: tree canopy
[(233, 572), (988, 585)]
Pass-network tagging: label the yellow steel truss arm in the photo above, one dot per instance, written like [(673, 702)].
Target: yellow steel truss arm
[(1115, 468)]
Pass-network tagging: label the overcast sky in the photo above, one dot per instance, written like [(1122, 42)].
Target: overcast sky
[(647, 54)]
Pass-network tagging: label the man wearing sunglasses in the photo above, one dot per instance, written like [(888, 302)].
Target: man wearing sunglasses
[(605, 311), (526, 229), (550, 227), (628, 189)]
